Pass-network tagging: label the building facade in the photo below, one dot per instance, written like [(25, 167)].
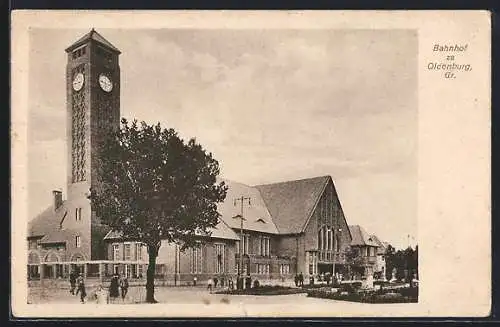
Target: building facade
[(278, 230), (69, 231), (367, 255)]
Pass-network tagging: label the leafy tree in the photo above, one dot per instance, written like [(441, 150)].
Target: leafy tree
[(353, 259), (152, 187), (389, 261), (402, 260)]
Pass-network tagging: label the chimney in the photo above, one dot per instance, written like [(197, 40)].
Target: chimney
[(57, 199)]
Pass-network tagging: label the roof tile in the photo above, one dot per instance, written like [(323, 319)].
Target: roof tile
[(291, 203)]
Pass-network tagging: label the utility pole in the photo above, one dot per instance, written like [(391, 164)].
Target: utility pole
[(241, 199)]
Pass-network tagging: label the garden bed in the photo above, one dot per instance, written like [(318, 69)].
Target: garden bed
[(265, 290), (405, 295)]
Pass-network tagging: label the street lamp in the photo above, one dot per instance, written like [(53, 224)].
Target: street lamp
[(240, 266)]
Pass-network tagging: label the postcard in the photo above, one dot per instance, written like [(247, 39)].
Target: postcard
[(251, 164)]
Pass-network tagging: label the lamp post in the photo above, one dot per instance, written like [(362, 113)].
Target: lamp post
[(240, 216)]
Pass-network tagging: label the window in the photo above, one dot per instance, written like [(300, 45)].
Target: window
[(264, 246), (246, 242), (138, 251), (196, 260), (284, 269), (220, 250), (78, 241), (329, 239), (79, 52), (78, 214), (126, 252), (116, 252), (320, 239), (263, 269)]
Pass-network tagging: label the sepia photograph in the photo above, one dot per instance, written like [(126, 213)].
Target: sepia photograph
[(222, 166)]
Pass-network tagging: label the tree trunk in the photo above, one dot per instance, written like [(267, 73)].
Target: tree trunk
[(150, 275)]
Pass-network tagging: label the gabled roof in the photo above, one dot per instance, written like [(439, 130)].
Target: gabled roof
[(256, 215), (291, 203), (360, 237), (221, 230), (376, 240), (47, 222), (92, 35)]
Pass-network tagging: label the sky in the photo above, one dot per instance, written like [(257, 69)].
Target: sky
[(271, 105)]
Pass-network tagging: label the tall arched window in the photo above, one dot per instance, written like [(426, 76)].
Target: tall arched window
[(320, 239)]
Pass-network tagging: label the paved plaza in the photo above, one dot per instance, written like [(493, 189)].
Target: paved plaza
[(174, 295)]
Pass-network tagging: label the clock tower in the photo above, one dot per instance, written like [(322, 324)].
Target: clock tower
[(93, 108)]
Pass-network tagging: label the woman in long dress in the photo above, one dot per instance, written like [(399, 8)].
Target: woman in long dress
[(114, 288)]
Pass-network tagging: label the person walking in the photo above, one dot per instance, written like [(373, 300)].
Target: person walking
[(72, 282), (301, 279), (113, 288), (124, 287), (101, 295), (209, 284), (81, 288)]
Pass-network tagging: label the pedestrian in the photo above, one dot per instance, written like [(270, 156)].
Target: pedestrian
[(209, 284), (124, 287), (72, 282), (296, 280), (216, 281), (194, 280), (113, 288), (101, 295), (301, 279), (81, 288)]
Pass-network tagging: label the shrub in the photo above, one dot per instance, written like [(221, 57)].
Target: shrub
[(366, 297), (256, 284), (409, 291)]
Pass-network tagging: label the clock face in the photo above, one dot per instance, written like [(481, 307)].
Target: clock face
[(105, 83), (78, 82)]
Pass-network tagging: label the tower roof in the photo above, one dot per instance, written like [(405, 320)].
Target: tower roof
[(92, 35)]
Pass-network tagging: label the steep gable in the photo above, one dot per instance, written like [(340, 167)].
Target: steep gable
[(361, 238), (256, 215), (291, 203), (47, 223)]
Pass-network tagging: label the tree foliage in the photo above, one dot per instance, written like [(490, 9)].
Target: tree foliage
[(152, 186), (402, 260)]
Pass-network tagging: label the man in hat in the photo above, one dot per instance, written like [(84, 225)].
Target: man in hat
[(81, 287)]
